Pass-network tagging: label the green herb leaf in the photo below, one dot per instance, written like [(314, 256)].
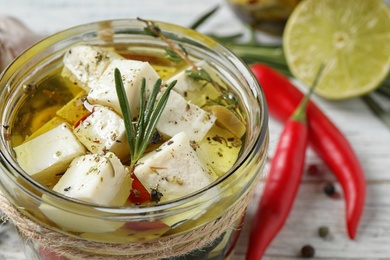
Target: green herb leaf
[(173, 56), (150, 113), (203, 18), (377, 109), (152, 29), (124, 104), (199, 74)]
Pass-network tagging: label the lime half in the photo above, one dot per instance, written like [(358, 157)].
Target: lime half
[(351, 38)]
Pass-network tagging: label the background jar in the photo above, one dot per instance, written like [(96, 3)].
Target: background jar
[(206, 222), (269, 16)]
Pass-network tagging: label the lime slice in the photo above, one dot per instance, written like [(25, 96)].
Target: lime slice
[(352, 38)]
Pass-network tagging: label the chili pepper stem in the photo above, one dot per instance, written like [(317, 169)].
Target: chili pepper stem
[(300, 113)]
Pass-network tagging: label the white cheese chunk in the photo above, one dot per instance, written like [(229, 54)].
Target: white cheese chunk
[(92, 178), (132, 71), (174, 169), (49, 154), (85, 64), (99, 179), (181, 116), (74, 217), (103, 130)]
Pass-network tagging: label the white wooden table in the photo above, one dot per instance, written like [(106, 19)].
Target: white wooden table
[(312, 209)]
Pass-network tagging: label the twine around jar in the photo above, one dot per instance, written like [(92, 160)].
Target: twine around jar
[(164, 247)]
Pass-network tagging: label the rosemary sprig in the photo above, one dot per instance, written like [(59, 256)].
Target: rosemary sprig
[(150, 112), (153, 30)]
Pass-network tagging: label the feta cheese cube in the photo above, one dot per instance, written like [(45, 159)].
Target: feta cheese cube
[(132, 71), (99, 179), (74, 110), (49, 154), (85, 64), (174, 169), (92, 178), (103, 130), (182, 116), (75, 217)]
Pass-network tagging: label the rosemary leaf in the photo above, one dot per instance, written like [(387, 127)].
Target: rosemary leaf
[(140, 128), (377, 109), (125, 108), (226, 39), (203, 18), (384, 89), (147, 117), (156, 113), (152, 100)]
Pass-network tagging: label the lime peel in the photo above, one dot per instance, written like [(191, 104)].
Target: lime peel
[(350, 36)]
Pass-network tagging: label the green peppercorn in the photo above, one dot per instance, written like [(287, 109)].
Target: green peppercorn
[(307, 251), (323, 231)]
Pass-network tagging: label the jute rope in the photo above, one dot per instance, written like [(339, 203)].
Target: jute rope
[(164, 247)]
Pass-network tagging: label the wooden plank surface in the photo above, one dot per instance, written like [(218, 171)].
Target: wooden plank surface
[(312, 209)]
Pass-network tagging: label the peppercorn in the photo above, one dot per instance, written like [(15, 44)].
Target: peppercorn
[(155, 195), (307, 251), (156, 137), (329, 189), (323, 231), (29, 89), (313, 170)]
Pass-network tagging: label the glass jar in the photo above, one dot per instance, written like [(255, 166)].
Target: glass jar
[(269, 16), (203, 225)]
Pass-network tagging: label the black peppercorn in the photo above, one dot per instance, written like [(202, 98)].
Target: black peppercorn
[(329, 189), (156, 137), (307, 251), (155, 195)]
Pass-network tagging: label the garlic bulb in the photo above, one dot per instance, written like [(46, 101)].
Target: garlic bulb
[(15, 37)]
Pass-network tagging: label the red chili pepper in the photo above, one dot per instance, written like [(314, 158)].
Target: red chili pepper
[(138, 193), (324, 137), (282, 182)]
